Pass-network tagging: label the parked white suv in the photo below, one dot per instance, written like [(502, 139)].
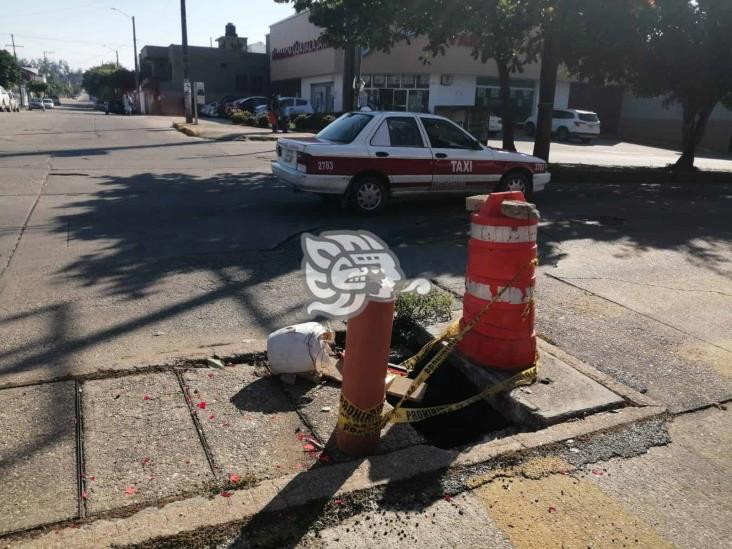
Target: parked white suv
[(569, 123)]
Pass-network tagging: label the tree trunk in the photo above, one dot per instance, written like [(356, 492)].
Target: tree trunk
[(694, 124), (504, 81), (348, 74), (547, 88)]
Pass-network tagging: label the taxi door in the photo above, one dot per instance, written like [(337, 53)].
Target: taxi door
[(460, 163), (398, 149)]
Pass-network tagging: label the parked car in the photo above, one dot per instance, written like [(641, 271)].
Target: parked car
[(249, 104), (56, 100), (369, 157), (4, 100), (48, 102), (221, 105), (209, 110), (36, 103), (569, 123), (115, 106)]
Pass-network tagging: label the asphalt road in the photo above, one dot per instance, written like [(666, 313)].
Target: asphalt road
[(123, 242)]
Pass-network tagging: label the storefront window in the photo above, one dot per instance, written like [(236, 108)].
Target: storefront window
[(487, 95), (398, 92)]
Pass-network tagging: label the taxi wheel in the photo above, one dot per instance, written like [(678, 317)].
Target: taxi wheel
[(517, 181), (368, 195)]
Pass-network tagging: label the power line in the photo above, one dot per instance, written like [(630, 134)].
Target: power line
[(68, 40)]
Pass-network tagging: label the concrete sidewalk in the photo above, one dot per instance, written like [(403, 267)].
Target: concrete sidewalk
[(221, 129)]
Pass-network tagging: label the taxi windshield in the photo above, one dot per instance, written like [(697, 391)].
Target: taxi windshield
[(346, 128)]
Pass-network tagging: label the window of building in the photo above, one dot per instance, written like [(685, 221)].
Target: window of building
[(398, 92), (446, 135), (487, 95)]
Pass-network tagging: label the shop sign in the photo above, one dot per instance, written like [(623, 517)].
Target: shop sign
[(299, 48)]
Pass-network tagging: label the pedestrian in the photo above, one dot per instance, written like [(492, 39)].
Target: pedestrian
[(273, 111), (127, 104)]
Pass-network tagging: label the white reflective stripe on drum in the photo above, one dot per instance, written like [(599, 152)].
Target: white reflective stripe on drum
[(496, 233), (512, 296)]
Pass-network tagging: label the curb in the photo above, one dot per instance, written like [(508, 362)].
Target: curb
[(324, 483), (184, 128)]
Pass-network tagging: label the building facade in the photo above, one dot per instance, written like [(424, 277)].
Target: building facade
[(454, 84), (229, 69), (462, 88)]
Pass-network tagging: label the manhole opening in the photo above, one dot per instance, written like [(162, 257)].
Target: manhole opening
[(467, 426)]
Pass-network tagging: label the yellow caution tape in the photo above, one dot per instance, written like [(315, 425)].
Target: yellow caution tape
[(356, 421)]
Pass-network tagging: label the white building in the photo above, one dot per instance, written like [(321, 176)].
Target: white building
[(460, 87)]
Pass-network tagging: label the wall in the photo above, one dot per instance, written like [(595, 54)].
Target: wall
[(337, 80), (460, 93), (646, 119)]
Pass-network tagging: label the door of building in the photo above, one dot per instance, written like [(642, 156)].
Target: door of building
[(321, 97)]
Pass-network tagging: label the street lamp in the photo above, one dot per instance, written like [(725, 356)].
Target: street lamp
[(134, 46)]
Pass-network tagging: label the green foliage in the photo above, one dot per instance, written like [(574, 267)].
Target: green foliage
[(678, 49), (37, 87), (9, 70), (244, 118), (435, 306), (108, 81), (312, 123)]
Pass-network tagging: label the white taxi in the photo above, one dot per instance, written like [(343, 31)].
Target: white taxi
[(369, 157)]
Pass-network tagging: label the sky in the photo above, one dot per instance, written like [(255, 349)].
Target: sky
[(86, 32)]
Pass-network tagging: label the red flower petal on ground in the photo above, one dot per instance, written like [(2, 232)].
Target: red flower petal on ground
[(212, 416), (85, 495), (131, 490), (552, 509), (597, 472), (210, 376), (226, 494), (146, 397), (234, 478), (308, 447), (325, 458), (338, 501), (202, 405), (145, 461), (447, 497)]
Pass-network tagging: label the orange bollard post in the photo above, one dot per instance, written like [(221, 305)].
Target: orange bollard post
[(368, 339)]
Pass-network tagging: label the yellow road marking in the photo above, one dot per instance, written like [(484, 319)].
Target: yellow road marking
[(559, 510)]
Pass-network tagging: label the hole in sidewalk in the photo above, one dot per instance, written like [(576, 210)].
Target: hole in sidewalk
[(446, 385)]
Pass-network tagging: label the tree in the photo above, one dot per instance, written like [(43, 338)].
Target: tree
[(495, 29), (9, 70), (678, 49), (37, 87), (108, 81)]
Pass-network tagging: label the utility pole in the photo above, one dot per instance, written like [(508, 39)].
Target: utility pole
[(116, 53), (21, 89), (187, 87), (14, 45), (137, 65), (134, 47)]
